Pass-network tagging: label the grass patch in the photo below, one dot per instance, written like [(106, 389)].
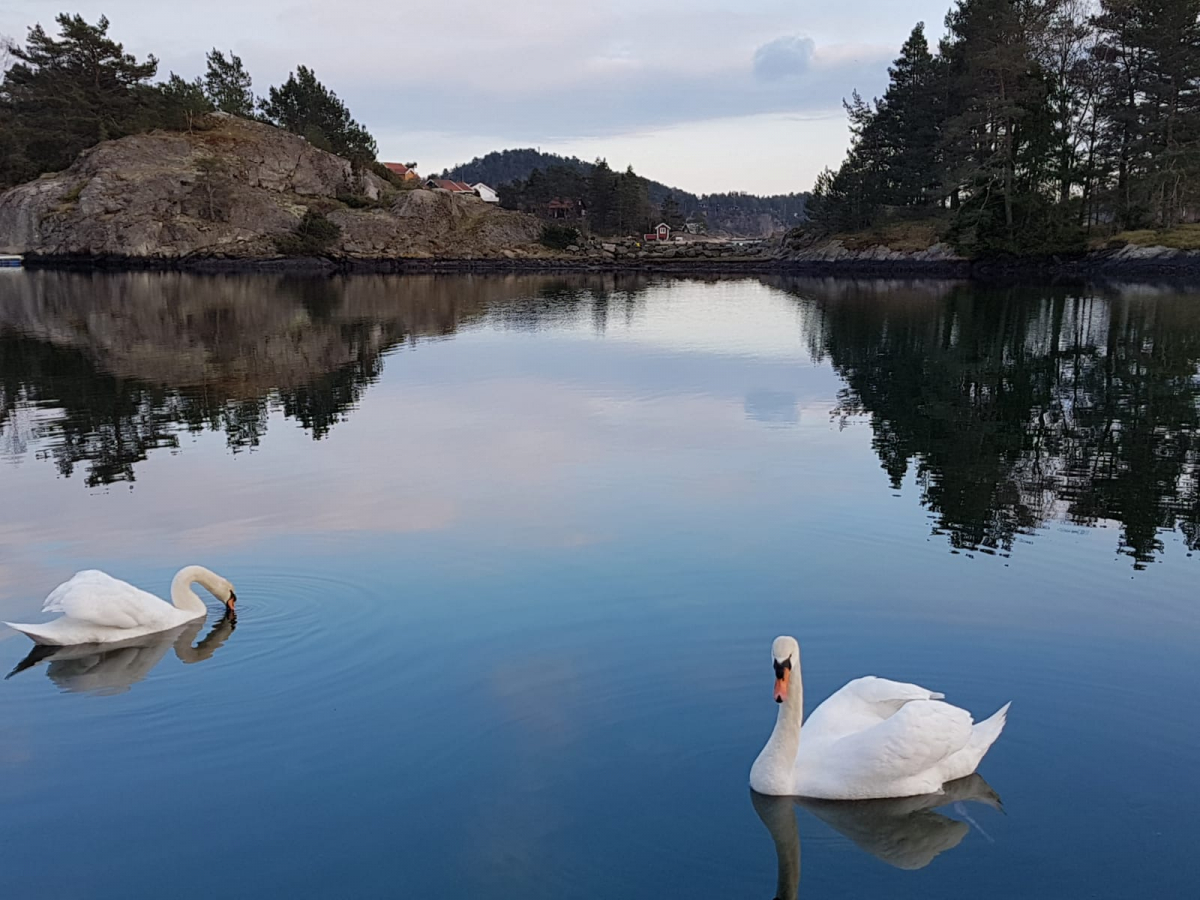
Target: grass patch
[(360, 201), (1181, 237), (903, 236)]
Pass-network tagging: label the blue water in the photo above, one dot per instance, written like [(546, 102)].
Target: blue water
[(510, 553)]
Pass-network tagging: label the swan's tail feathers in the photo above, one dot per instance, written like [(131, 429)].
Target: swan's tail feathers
[(983, 735), (991, 727), (37, 633)]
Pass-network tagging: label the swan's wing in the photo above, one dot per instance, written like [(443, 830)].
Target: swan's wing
[(906, 745), (95, 597), (883, 690), (861, 704)]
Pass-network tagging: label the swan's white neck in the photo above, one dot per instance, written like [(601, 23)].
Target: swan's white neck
[(774, 770), (182, 595)]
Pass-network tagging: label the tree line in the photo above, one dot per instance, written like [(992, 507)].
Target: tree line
[(609, 202), (725, 211), (1035, 124), (62, 94)]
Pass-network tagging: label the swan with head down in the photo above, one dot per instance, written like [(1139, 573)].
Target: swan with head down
[(874, 738), (99, 609)]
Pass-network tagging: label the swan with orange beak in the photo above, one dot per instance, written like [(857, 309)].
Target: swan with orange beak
[(873, 738)]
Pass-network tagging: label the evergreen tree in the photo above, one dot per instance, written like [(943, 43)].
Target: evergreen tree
[(601, 199), (227, 84), (182, 103), (1150, 51), (62, 95), (306, 107), (1003, 126), (633, 204), (910, 121), (669, 212)]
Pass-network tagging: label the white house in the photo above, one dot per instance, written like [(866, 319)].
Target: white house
[(485, 193)]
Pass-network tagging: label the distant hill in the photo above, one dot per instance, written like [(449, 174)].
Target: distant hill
[(735, 213)]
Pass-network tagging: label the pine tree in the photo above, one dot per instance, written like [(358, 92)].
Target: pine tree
[(633, 201), (227, 84), (670, 212), (602, 199), (66, 94), (306, 107), (1002, 139), (1151, 53), (909, 121), (182, 103)]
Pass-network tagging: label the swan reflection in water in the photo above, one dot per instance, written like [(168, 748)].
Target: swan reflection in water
[(114, 668), (906, 833)]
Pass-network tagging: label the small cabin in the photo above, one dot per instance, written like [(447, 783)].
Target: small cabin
[(661, 233), (405, 171)]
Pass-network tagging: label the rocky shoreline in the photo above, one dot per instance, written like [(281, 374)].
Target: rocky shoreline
[(232, 196), (1106, 264)]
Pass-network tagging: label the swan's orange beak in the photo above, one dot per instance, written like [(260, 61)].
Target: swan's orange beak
[(781, 685), (231, 602)]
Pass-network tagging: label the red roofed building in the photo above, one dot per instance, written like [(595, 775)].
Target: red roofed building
[(408, 173), (564, 208), (454, 187)]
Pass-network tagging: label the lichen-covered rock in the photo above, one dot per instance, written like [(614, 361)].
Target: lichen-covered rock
[(228, 191)]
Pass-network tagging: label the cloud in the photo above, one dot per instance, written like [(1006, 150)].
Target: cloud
[(784, 58)]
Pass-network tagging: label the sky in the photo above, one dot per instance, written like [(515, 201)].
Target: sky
[(709, 95)]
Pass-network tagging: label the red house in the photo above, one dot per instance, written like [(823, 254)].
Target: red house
[(445, 184), (406, 172), (661, 233)]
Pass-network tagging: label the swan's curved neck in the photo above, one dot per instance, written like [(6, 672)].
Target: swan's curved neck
[(182, 594), (773, 771)]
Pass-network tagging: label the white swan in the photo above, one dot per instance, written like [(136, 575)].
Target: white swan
[(99, 609), (874, 738)]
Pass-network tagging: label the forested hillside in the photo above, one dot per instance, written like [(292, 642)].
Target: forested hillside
[(733, 212)]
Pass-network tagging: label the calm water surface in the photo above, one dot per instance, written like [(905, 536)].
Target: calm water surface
[(510, 553)]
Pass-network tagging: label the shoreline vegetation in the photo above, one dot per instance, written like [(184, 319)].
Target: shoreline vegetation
[(1037, 128), (105, 169)]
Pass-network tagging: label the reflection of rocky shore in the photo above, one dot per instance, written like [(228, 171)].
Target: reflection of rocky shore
[(132, 358), (1019, 406)]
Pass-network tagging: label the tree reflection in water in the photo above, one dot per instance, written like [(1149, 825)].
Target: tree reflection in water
[(119, 365), (1013, 407), (1019, 406)]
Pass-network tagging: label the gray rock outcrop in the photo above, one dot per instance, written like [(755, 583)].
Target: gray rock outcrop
[(228, 191)]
